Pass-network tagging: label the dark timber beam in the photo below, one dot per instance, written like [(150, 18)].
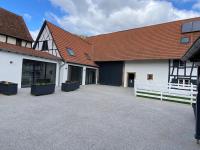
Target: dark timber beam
[(197, 134)]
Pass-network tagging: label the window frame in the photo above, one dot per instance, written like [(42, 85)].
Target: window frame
[(184, 42), (149, 76), (70, 52), (184, 81)]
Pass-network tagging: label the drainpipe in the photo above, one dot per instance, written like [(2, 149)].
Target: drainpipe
[(60, 67)]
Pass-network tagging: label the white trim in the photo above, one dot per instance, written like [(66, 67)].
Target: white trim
[(79, 65)]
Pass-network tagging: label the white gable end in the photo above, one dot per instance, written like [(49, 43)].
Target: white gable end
[(47, 37)]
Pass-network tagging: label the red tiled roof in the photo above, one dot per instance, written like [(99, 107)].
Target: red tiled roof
[(160, 41), (13, 25), (26, 51), (64, 40)]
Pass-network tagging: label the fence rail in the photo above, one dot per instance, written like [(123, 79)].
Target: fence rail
[(171, 92)]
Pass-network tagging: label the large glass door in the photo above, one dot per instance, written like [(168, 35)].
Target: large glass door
[(75, 73), (90, 76), (35, 71), (27, 73)]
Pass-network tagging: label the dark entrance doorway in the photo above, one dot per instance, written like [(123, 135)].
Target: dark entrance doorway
[(131, 80), (35, 71), (75, 73), (90, 76)]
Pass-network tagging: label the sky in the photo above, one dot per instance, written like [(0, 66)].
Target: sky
[(92, 17)]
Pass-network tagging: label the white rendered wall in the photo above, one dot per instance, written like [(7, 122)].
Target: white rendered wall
[(11, 66), (63, 73), (11, 40), (158, 68), (2, 38), (10, 71)]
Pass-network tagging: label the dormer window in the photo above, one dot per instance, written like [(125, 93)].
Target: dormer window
[(185, 40), (45, 45), (70, 52), (18, 42)]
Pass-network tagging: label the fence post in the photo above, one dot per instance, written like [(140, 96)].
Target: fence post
[(135, 90), (191, 94)]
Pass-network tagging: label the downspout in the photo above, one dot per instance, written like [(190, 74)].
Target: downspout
[(60, 67), (97, 69)]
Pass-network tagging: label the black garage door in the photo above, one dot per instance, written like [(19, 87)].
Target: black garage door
[(111, 73)]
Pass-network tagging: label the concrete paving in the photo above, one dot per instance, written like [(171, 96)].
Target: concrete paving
[(94, 118)]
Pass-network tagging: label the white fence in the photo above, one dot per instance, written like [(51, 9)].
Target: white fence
[(170, 92)]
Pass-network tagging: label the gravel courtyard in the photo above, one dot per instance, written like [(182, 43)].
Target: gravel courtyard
[(94, 118)]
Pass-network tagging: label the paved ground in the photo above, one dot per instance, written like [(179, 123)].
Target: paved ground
[(94, 118)]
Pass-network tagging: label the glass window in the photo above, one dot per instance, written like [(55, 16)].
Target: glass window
[(187, 81), (180, 81), (191, 26), (70, 52), (185, 40), (187, 27), (149, 76), (45, 45), (196, 26)]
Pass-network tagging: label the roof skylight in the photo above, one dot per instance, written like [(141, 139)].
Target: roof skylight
[(70, 52)]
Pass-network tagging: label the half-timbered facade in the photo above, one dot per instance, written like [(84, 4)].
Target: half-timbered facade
[(74, 51), (45, 42), (182, 72), (13, 30)]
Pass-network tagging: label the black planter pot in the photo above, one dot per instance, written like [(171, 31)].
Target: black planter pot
[(42, 89), (8, 88), (194, 108), (70, 86)]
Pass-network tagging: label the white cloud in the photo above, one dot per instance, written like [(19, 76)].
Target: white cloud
[(197, 5), (102, 16), (27, 16), (34, 33)]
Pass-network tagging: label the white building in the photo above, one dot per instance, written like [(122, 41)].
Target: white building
[(145, 55)]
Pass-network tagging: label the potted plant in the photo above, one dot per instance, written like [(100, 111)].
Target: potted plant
[(70, 86), (8, 88), (42, 87)]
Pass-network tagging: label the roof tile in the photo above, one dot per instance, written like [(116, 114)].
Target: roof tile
[(64, 40), (13, 25), (160, 41), (26, 51)]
